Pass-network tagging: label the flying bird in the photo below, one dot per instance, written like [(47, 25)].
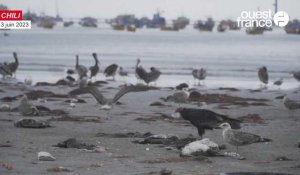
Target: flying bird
[(291, 104), (199, 74), (94, 69), (240, 138), (204, 119), (263, 75), (81, 70), (13, 66), (111, 71), (107, 103)]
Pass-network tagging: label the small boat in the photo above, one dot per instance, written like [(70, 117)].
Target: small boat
[(118, 27), (208, 25), (131, 28), (68, 23), (255, 30), (293, 27), (168, 28)]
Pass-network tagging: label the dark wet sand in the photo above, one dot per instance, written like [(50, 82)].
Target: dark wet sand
[(124, 157)]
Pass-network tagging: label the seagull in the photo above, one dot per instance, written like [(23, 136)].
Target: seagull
[(199, 74), (122, 72), (13, 66), (111, 71), (94, 69), (278, 82), (240, 138), (107, 103), (291, 104), (204, 119), (81, 70), (263, 75), (26, 108), (179, 97), (5, 70)]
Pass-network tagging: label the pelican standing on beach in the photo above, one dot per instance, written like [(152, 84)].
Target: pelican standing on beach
[(140, 72), (263, 75), (81, 70), (94, 69), (13, 66), (5, 70), (111, 71), (199, 74)]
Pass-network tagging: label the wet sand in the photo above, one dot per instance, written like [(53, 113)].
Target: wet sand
[(20, 146)]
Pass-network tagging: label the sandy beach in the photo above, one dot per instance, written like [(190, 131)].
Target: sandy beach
[(19, 147)]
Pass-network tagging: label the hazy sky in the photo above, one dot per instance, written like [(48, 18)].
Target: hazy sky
[(194, 9)]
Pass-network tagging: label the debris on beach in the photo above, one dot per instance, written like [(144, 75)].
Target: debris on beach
[(67, 118), (252, 118), (226, 99), (7, 144), (124, 135), (229, 89), (6, 165), (166, 171), (9, 99), (204, 147), (74, 143), (45, 156), (31, 123), (158, 104), (282, 158), (181, 86), (97, 164), (36, 94), (75, 100), (169, 141), (194, 96), (5, 108), (59, 169), (44, 111), (254, 173), (234, 155)]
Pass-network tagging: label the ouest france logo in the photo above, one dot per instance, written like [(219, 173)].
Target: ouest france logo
[(262, 19)]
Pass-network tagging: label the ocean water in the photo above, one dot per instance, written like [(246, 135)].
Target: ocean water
[(231, 58)]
